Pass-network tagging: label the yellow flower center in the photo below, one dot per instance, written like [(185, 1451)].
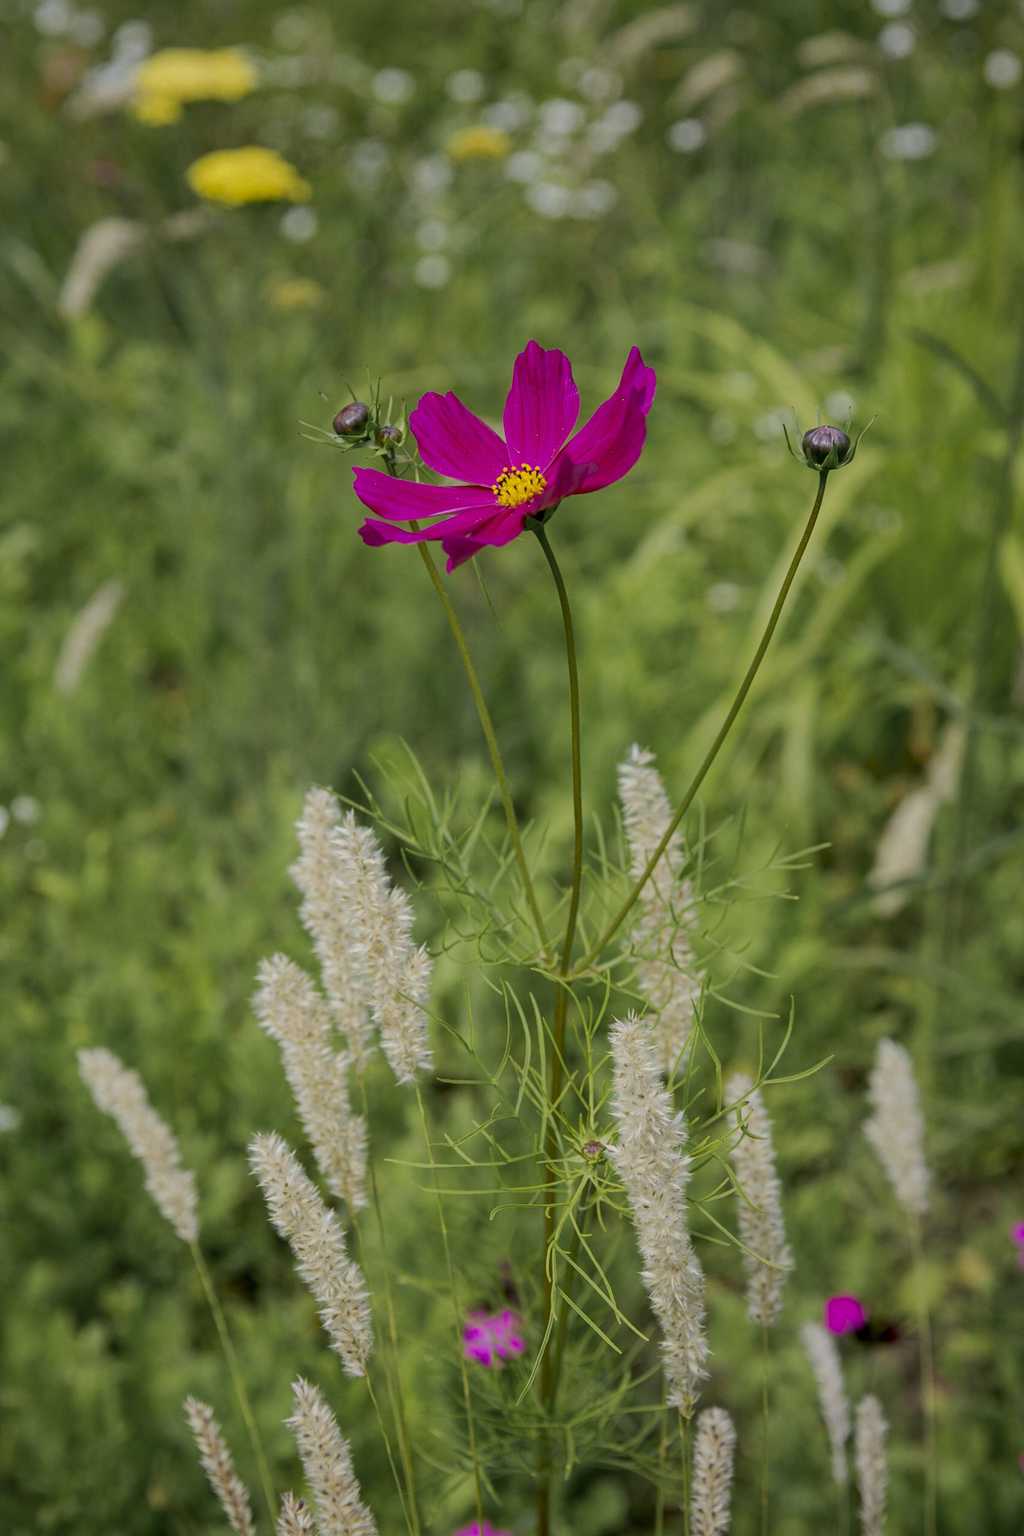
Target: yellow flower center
[(513, 487)]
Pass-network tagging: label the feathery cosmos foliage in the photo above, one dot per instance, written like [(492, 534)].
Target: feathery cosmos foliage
[(293, 1013), (872, 1471), (318, 1243), (327, 1463), (767, 1259), (896, 1128), (655, 1172), (525, 475), (823, 1354), (216, 1460), (713, 1453), (666, 969), (120, 1093)]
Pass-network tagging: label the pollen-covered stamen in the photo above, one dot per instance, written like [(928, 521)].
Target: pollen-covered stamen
[(514, 487)]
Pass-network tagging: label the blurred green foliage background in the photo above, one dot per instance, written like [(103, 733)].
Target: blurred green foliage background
[(786, 206)]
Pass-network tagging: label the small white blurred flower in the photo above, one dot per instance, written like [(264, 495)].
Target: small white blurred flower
[(722, 596), (839, 405), (598, 84), (432, 271), (53, 17), (291, 30), (26, 809), (897, 41), (623, 117), (132, 40), (960, 10), (368, 162), (465, 85), (87, 27), (509, 114), (525, 165), (432, 235), (891, 7), (549, 199), (10, 1118), (910, 141), (1003, 69), (687, 135), (769, 426), (431, 175), (594, 200), (5, 819), (722, 428), (560, 117), (393, 86), (320, 122), (299, 225)]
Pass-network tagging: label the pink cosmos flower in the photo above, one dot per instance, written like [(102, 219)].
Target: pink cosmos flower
[(844, 1314), (1017, 1235), (523, 475), (489, 1338)]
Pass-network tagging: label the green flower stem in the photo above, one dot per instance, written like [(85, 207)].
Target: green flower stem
[(549, 1367), (764, 1429), (719, 741), (466, 1395), (220, 1322), (394, 1385), (487, 726), (382, 1426), (684, 1439), (927, 1357)]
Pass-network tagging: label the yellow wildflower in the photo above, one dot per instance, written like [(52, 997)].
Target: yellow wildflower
[(168, 79), (248, 175), (288, 293), (479, 143)]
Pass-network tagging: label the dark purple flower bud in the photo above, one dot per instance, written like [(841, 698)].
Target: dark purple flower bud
[(389, 436), (593, 1150), (351, 419), (825, 447)]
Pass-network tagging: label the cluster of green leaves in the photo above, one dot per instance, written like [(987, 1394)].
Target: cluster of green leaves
[(259, 648)]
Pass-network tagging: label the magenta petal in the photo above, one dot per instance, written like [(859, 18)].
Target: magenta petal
[(612, 440), (1017, 1232), (500, 528), (844, 1314), (454, 442), (542, 406), (376, 533), (406, 499)]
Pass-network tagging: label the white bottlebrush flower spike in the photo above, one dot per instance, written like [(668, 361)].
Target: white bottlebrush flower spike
[(713, 1454), (767, 1259), (295, 1518), (327, 1463), (872, 1471), (327, 914), (374, 974), (293, 1013), (219, 1466), (896, 1127), (655, 1172), (902, 852), (835, 1407), (666, 970), (318, 1243), (121, 1093)]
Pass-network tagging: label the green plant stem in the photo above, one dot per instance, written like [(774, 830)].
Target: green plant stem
[(549, 1371), (927, 1357), (684, 1440), (466, 1395), (764, 1429), (719, 741), (659, 1501), (382, 1426), (398, 1407), (220, 1322)]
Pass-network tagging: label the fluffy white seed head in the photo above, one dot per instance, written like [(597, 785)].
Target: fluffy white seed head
[(713, 1454), (327, 1463), (292, 1011), (872, 1471), (327, 915), (896, 1128), (318, 1244), (295, 1517), (767, 1258), (835, 1407), (667, 974), (120, 1093), (655, 1172), (217, 1463)]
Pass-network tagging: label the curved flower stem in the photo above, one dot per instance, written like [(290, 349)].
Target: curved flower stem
[(684, 1440), (466, 1395), (927, 1358), (220, 1322), (549, 1364), (719, 741)]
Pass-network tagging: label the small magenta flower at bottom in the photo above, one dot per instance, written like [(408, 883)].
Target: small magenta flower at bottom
[(490, 1337), (1017, 1236), (844, 1314), (476, 1529)]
